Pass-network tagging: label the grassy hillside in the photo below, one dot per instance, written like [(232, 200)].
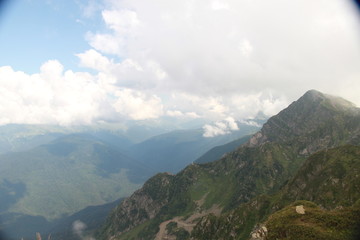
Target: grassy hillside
[(317, 180), (315, 224)]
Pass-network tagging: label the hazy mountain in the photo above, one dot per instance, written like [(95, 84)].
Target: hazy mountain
[(174, 150), (219, 151), (91, 217), (69, 169), (174, 204), (63, 177), (22, 137)]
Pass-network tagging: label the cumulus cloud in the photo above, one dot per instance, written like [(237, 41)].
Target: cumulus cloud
[(79, 228), (220, 127), (138, 106), (179, 114), (227, 57), (247, 46), (193, 59), (55, 96)]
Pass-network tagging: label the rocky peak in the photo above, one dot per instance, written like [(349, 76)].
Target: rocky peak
[(314, 121)]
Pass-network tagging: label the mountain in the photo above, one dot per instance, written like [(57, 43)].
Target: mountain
[(90, 218), (50, 172), (172, 205), (172, 151), (63, 177), (328, 178), (219, 151), (23, 137)]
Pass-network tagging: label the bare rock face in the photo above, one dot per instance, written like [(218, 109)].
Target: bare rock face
[(259, 233), (257, 140), (143, 205)]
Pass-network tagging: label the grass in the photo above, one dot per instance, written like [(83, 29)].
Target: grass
[(315, 224)]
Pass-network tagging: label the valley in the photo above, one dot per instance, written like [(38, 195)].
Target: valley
[(45, 183)]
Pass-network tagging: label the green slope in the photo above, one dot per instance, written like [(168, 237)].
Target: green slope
[(329, 178), (315, 224), (262, 166), (219, 151)]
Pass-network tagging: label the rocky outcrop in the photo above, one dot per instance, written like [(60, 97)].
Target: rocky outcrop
[(259, 233), (316, 121), (300, 209), (143, 205)]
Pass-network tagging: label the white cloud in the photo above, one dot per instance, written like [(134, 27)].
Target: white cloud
[(94, 60), (192, 115), (250, 123), (174, 113), (78, 228), (310, 45), (121, 21), (57, 97), (220, 127), (105, 43), (137, 105), (179, 114), (246, 48), (219, 5), (193, 59)]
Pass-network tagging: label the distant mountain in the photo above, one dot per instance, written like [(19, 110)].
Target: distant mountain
[(91, 217), (20, 225), (219, 151), (23, 137), (63, 177), (173, 205), (174, 150)]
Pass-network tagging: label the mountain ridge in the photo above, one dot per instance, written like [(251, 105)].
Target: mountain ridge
[(262, 166)]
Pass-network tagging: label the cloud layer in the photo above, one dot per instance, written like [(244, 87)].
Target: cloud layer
[(217, 60)]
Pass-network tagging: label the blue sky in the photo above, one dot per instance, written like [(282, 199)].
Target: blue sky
[(34, 31), (85, 62)]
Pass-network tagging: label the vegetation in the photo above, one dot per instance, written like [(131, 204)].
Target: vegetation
[(315, 224), (306, 184)]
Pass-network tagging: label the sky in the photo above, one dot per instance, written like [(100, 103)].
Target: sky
[(81, 62)]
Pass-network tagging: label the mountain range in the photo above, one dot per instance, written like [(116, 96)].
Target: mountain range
[(296, 178), (51, 174)]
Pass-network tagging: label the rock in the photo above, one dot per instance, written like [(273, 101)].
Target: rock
[(259, 233), (300, 209)]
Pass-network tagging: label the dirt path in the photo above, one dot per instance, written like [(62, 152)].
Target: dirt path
[(187, 224)]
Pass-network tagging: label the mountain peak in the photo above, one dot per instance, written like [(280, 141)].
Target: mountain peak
[(313, 116), (313, 93), (326, 100)]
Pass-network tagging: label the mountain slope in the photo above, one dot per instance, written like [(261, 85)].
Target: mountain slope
[(261, 166), (219, 151), (174, 150), (328, 178)]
